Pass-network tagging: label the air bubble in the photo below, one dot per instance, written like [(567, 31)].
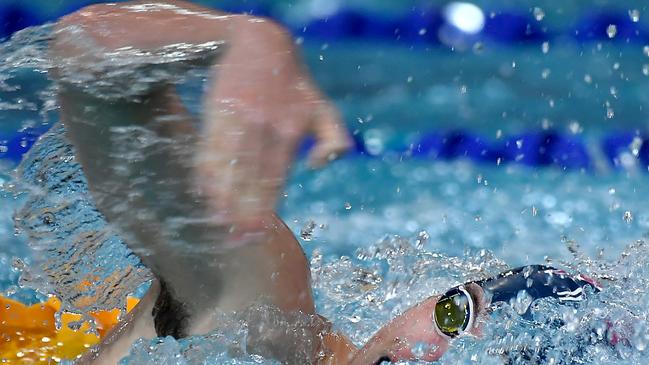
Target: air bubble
[(539, 14), (634, 14)]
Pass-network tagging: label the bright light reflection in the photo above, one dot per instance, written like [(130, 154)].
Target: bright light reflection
[(466, 17)]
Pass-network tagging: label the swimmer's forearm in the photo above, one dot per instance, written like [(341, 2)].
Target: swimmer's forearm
[(149, 26)]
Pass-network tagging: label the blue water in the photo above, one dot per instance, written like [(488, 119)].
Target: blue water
[(384, 232)]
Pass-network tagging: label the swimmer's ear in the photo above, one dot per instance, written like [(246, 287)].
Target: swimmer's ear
[(332, 138)]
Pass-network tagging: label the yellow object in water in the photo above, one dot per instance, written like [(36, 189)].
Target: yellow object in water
[(28, 334)]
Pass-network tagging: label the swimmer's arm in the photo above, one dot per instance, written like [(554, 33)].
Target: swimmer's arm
[(338, 349), (136, 324), (119, 25)]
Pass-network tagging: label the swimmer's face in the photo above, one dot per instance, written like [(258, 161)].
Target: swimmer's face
[(415, 335)]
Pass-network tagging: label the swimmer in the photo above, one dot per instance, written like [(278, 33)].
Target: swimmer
[(194, 199)]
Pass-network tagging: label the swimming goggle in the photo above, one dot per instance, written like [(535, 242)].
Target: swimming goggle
[(454, 312)]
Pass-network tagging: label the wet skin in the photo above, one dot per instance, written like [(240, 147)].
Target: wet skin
[(197, 206)]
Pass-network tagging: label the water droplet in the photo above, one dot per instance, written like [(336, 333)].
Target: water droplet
[(634, 14), (545, 73), (422, 31), (321, 57), (519, 143), (421, 349), (611, 30), (616, 66), (18, 264), (522, 302), (645, 69), (635, 146), (539, 14), (610, 113), (478, 47), (611, 191), (76, 325), (545, 47), (645, 50), (422, 237), (575, 127), (628, 216), (499, 133), (348, 206), (409, 79), (306, 233), (374, 141), (588, 79), (354, 319), (535, 211), (48, 218), (613, 91)]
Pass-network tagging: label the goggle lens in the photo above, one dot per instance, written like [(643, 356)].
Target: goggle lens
[(453, 312)]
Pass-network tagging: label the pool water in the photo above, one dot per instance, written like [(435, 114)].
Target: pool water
[(384, 231)]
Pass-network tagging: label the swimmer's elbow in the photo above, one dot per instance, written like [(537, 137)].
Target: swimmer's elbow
[(68, 32), (250, 28)]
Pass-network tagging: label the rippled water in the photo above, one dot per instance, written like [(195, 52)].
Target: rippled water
[(381, 234)]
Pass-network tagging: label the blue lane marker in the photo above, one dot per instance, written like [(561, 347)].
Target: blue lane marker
[(535, 149), (547, 148), (513, 27), (597, 26), (615, 144)]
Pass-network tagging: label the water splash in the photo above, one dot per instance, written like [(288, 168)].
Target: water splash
[(82, 260)]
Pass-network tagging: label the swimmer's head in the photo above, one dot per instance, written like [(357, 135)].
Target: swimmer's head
[(424, 332)]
